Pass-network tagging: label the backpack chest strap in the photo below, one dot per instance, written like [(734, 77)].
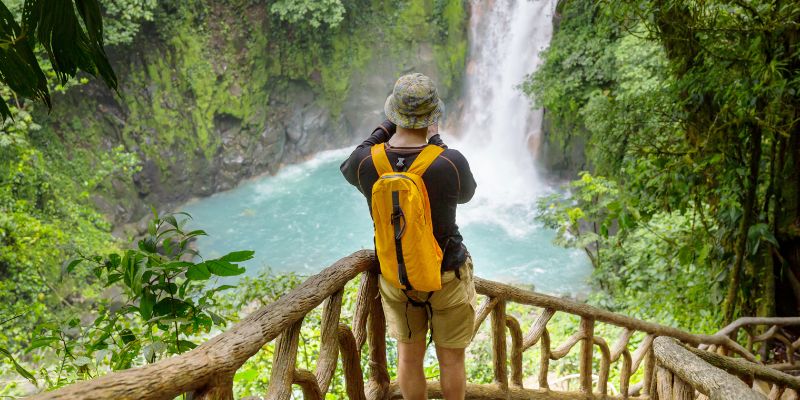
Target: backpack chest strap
[(424, 160)]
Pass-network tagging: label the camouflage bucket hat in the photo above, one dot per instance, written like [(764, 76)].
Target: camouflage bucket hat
[(414, 102)]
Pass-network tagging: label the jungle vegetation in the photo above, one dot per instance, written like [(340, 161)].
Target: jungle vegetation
[(688, 209), (689, 116)]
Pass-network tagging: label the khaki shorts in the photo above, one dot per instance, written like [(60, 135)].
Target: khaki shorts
[(452, 311)]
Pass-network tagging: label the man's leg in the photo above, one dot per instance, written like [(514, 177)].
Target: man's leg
[(453, 374), (410, 373)]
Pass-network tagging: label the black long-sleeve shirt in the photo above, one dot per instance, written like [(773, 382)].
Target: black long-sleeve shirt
[(448, 180)]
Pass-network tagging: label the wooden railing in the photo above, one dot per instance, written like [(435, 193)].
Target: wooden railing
[(207, 371)]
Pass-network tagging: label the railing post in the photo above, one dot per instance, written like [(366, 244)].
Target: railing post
[(329, 348), (516, 350), (544, 361), (308, 382), (649, 371), (351, 364), (283, 363), (376, 338), (499, 345), (222, 391), (587, 345), (367, 290), (663, 383), (681, 390)]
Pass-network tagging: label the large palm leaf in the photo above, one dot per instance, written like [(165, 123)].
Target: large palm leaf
[(70, 32)]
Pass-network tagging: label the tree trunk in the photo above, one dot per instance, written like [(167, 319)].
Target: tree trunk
[(744, 226)]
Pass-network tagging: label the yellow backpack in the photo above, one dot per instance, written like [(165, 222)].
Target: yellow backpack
[(408, 253)]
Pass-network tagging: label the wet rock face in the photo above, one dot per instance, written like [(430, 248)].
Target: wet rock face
[(193, 146)]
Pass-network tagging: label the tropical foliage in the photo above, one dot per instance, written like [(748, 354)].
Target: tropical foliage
[(689, 112), (70, 33)]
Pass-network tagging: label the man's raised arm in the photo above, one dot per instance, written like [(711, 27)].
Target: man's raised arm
[(381, 134)]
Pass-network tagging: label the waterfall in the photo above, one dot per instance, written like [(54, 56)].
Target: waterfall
[(310, 207), (498, 130)]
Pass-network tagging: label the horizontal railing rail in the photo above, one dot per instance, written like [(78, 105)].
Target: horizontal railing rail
[(207, 371), (679, 373)]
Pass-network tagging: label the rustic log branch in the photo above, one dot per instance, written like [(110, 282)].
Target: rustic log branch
[(486, 307), (707, 379), (681, 390), (641, 352), (351, 364), (663, 383), (329, 346), (376, 334), (776, 392), (221, 391), (544, 360), (494, 392), (308, 382), (564, 348), (621, 344), (538, 328), (605, 365), (769, 334), (587, 346), (516, 350), (735, 325), (746, 369), (517, 295), (499, 344), (283, 362), (625, 374), (367, 290), (649, 372)]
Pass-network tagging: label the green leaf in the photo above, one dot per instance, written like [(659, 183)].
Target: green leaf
[(70, 265), (198, 272), (146, 304), (171, 307), (185, 345), (216, 318), (170, 219), (148, 244), (42, 341), (222, 268), (113, 278), (198, 232), (127, 336), (238, 256), (20, 370)]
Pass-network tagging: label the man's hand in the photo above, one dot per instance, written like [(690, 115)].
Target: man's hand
[(433, 130)]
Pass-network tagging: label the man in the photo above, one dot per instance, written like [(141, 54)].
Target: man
[(413, 111)]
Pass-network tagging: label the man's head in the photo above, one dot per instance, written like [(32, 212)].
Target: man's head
[(414, 102)]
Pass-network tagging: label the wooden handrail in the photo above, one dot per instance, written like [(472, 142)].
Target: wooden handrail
[(207, 371), (680, 373)]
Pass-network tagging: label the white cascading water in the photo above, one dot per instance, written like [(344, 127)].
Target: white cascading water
[(498, 128)]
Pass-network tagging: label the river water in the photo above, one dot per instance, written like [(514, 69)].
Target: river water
[(306, 217)]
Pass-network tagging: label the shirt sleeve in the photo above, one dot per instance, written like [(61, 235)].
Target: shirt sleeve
[(381, 134), (466, 183)]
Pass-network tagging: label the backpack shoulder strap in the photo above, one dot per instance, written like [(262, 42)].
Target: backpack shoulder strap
[(425, 159), (380, 159)]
